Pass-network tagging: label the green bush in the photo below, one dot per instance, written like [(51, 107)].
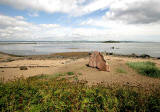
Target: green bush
[(70, 73), (145, 68), (53, 94)]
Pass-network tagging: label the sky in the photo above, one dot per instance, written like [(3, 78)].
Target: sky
[(76, 20)]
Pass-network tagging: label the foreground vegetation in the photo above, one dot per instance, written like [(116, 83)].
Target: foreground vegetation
[(145, 68), (49, 93)]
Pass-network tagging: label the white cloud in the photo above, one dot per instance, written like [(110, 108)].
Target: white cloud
[(130, 20), (49, 6), (135, 11), (49, 25), (125, 20), (13, 28), (20, 17), (132, 10), (123, 31), (16, 28), (72, 7)]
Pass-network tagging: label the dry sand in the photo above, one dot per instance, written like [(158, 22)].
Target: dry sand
[(76, 63)]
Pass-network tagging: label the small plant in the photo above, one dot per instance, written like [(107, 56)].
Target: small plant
[(79, 73), (145, 68), (76, 78), (120, 70), (70, 73), (59, 74)]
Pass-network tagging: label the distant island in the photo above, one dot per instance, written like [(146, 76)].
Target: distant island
[(110, 41)]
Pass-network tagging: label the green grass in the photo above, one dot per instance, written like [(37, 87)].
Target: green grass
[(48, 77), (59, 74), (49, 94), (43, 76), (145, 68), (120, 70), (70, 73)]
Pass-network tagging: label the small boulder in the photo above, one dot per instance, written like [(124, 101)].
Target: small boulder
[(96, 60), (134, 55), (145, 56), (23, 68)]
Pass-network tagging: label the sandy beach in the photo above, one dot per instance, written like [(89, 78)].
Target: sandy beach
[(75, 62)]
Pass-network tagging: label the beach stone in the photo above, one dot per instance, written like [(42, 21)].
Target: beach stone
[(96, 60), (133, 55), (23, 68), (109, 53), (145, 56), (89, 53)]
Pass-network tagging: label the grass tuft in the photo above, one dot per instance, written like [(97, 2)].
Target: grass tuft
[(43, 76), (145, 68), (70, 73)]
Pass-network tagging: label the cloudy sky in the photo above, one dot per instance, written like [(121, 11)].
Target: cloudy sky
[(65, 20)]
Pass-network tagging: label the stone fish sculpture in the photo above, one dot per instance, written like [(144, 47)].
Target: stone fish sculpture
[(96, 60)]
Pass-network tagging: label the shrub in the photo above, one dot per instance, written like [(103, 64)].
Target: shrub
[(36, 94), (145, 68), (70, 73)]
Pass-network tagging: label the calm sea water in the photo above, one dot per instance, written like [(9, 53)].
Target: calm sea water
[(34, 48)]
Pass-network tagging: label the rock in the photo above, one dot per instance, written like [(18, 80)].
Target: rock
[(23, 68), (89, 53), (109, 53), (96, 60), (145, 56), (59, 56), (134, 55)]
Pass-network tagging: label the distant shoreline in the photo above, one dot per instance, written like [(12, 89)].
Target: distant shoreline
[(36, 42), (77, 55)]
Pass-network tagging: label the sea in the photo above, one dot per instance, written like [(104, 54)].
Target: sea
[(49, 47)]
